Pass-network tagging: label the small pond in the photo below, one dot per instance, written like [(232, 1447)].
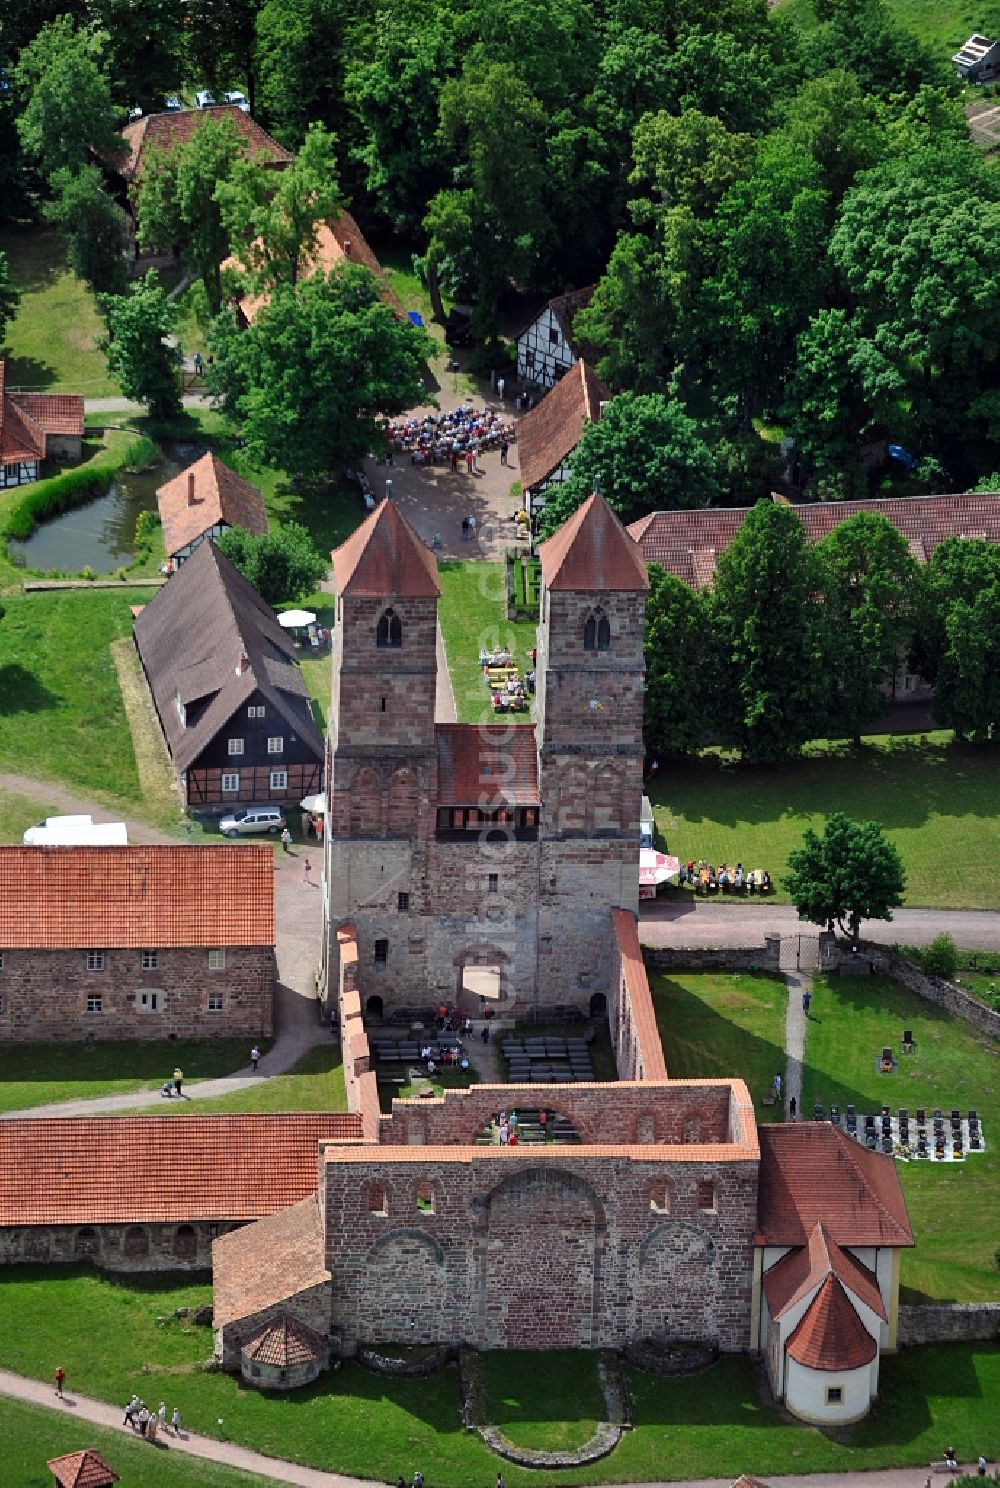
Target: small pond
[(101, 535)]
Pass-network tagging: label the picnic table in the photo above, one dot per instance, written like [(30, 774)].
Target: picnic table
[(499, 674)]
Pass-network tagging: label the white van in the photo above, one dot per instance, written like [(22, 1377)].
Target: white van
[(76, 831)]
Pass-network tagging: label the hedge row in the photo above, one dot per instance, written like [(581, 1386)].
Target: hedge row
[(48, 498)]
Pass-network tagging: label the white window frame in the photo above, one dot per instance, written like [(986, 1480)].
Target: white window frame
[(150, 960), (278, 780), (217, 958), (235, 746), (231, 782), (95, 960), (147, 1000), (215, 1002), (95, 1002), (255, 710), (276, 745)]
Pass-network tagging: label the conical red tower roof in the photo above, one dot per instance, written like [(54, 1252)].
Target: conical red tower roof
[(385, 558), (592, 551)]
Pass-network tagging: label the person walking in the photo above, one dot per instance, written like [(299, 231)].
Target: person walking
[(254, 1057), (306, 870), (777, 1085), (129, 1411), (198, 364), (469, 460), (60, 1380), (981, 1466), (143, 1419), (175, 1421), (806, 1001), (504, 447), (162, 1413), (501, 386), (472, 529), (465, 529), (178, 1081), (153, 1427), (388, 488), (792, 1108), (286, 840)]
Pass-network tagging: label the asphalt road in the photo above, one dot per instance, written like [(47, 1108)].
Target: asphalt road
[(687, 921)]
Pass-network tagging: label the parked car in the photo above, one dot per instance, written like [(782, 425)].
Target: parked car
[(251, 819), (240, 99), (205, 99), (458, 326), (172, 104), (135, 112)]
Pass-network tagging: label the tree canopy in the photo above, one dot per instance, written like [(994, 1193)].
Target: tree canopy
[(321, 365), (678, 645), (94, 227), (139, 356), (69, 110), (849, 874), (283, 565)]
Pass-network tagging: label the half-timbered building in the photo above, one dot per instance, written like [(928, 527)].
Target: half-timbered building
[(548, 346)]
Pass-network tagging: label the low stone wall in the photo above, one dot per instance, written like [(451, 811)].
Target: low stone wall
[(932, 989), (381, 1359), (654, 1356), (763, 957), (949, 1322)]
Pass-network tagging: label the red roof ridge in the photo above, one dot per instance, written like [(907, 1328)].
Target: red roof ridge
[(86, 1469), (592, 551), (859, 1197), (552, 430), (221, 495), (385, 558), (830, 1335)]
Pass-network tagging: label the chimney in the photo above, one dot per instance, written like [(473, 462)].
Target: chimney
[(243, 665), (347, 247), (190, 488)]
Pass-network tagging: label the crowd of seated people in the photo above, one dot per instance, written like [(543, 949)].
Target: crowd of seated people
[(705, 878), (442, 439), (509, 691)]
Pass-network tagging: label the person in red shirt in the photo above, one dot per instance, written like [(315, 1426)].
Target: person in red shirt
[(60, 1377)]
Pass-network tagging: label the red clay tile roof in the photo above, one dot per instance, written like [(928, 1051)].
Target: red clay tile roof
[(552, 431), (86, 1469), (689, 542), (220, 495), (626, 931), (19, 438), (592, 551), (193, 638), (283, 1341), (169, 131), (160, 1169), (494, 761), (813, 1172), (830, 1334), (339, 241), (799, 1272), (385, 559), (55, 413), (264, 1264), (159, 896)]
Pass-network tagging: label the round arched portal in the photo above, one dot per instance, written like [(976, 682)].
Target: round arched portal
[(481, 979)]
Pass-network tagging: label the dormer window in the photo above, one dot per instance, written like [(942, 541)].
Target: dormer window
[(181, 711), (389, 632), (597, 632)]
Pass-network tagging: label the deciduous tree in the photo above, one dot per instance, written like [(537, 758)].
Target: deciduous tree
[(69, 110), (868, 579), (94, 228), (851, 873), (180, 200), (313, 375), (677, 644), (139, 357), (958, 637), (10, 297), (770, 693), (283, 565)]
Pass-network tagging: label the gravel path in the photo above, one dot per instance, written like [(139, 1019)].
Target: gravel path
[(719, 922), (795, 1037)]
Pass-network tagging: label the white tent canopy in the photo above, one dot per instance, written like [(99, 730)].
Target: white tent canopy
[(296, 619), (315, 805)]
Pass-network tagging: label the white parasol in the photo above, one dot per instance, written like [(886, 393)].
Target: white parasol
[(296, 619)]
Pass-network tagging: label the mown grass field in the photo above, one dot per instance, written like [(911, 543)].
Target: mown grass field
[(473, 614), (108, 1338), (38, 1074), (18, 812), (953, 1206), (52, 340), (942, 24), (32, 1435), (550, 1400), (937, 801), (316, 1083), (725, 1024)]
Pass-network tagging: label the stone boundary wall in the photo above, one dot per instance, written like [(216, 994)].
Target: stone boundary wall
[(932, 989), (714, 958), (635, 1037), (360, 1081), (380, 1359), (949, 1322)]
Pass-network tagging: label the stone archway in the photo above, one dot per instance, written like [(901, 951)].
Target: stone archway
[(481, 976), (540, 1262)]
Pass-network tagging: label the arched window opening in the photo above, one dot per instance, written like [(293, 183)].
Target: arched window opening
[(378, 1202), (659, 1197), (389, 632), (706, 1197), (597, 632), (424, 1197)]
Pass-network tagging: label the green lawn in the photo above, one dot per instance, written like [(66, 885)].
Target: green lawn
[(942, 24), (52, 341), (723, 1023), (318, 669), (19, 812), (936, 800), (549, 1400), (38, 1074), (107, 1338), (31, 1435), (316, 1083), (473, 614), (953, 1206), (61, 713)]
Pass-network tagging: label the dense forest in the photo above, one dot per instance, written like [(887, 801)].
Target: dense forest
[(789, 231)]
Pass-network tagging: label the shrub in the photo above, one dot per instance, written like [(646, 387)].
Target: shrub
[(142, 455), (941, 957), (146, 524)]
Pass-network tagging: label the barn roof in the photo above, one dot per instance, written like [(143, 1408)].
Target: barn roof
[(175, 128), (498, 762), (550, 433), (812, 1173), (204, 494)]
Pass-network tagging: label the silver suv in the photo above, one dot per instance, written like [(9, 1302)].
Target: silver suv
[(252, 819)]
